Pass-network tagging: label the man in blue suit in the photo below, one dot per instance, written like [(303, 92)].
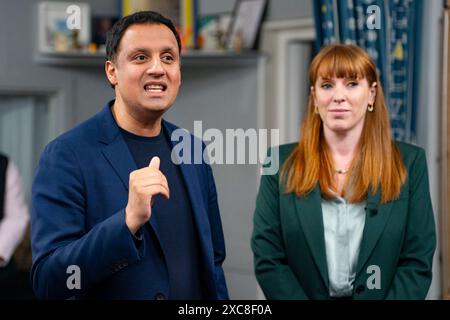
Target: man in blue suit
[(113, 217)]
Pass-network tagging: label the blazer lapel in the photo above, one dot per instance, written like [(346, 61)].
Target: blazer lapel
[(115, 150), (376, 217), (117, 153), (309, 212), (120, 158), (199, 211), (194, 191)]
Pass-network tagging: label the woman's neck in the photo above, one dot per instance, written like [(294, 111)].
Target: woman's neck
[(343, 147)]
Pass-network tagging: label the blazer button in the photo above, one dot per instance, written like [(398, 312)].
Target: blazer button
[(360, 289), (160, 296)]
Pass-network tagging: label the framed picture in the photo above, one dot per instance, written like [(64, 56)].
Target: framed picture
[(212, 31), (63, 26), (245, 24)]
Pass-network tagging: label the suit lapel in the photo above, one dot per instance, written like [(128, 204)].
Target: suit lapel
[(120, 158), (198, 209), (309, 212), (190, 176), (376, 217), (117, 152)]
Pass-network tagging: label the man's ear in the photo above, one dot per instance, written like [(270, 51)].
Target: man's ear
[(110, 70)]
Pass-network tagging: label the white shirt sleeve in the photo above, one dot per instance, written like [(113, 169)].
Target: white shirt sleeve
[(15, 214)]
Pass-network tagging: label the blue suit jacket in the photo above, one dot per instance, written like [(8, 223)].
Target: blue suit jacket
[(79, 195)]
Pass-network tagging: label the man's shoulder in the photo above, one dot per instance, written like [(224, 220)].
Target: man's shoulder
[(170, 126), (173, 127), (175, 132), (81, 135)]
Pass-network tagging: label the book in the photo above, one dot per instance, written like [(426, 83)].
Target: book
[(188, 24), (168, 8), (183, 14)]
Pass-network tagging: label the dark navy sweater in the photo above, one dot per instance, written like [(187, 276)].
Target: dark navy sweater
[(174, 217)]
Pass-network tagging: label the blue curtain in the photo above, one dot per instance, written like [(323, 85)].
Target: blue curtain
[(390, 31)]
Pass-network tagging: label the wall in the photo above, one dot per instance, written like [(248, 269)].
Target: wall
[(18, 31), (18, 36)]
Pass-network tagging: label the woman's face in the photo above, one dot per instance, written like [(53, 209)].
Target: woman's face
[(342, 102)]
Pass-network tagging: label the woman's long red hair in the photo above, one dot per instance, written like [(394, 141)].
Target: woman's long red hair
[(377, 162)]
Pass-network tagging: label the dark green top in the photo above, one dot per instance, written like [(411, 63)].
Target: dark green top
[(396, 254)]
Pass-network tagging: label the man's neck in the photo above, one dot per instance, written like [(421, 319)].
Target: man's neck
[(145, 124)]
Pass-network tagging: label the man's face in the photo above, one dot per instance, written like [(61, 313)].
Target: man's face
[(146, 71)]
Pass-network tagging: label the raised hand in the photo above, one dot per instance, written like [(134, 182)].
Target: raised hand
[(144, 184)]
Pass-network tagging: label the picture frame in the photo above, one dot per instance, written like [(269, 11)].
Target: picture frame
[(63, 26), (212, 31), (246, 24)]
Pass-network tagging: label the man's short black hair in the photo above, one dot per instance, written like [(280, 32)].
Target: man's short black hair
[(142, 17)]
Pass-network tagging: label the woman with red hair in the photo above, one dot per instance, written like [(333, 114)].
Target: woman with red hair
[(349, 215)]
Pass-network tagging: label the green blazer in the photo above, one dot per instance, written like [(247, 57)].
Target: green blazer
[(399, 237)]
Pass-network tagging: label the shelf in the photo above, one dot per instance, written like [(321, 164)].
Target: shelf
[(71, 59), (218, 59), (188, 59)]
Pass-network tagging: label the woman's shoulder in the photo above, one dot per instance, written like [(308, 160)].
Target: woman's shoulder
[(286, 149), (406, 148), (281, 152), (410, 153)]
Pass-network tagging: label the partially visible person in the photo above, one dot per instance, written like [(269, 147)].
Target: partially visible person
[(349, 216), (14, 219)]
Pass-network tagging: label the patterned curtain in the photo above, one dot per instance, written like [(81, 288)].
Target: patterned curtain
[(389, 30)]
